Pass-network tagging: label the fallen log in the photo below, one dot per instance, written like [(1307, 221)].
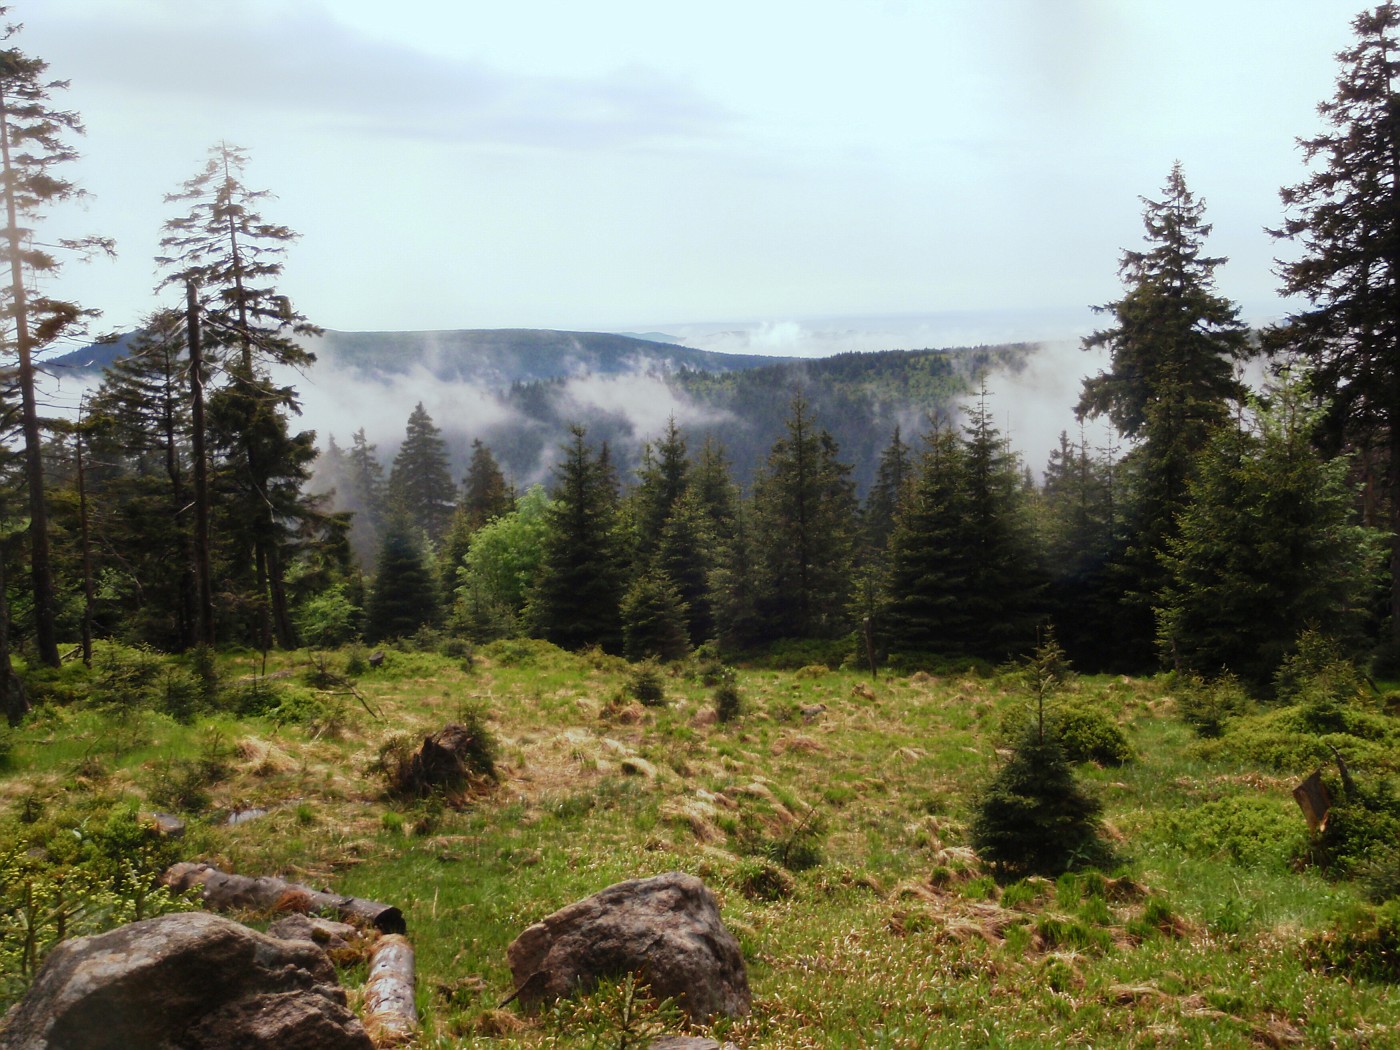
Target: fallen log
[(225, 892), (391, 1018)]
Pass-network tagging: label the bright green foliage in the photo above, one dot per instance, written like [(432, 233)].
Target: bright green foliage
[(74, 870), (328, 618), (1364, 946), (577, 594), (1253, 831), (485, 497), (654, 619), (1033, 818), (1345, 216), (803, 529), (1089, 735), (404, 596), (1265, 547), (501, 562), (420, 483), (1206, 705)]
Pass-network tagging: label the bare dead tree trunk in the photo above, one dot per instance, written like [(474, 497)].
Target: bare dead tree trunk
[(391, 1018), (268, 893)]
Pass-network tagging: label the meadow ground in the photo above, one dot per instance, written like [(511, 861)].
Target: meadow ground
[(830, 818)]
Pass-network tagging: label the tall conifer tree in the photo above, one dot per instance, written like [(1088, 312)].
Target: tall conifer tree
[(1173, 344), (579, 589), (1345, 216), (420, 483), (231, 256), (33, 145), (804, 532)]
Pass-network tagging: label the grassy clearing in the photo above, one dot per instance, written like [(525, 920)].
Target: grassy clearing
[(829, 817)]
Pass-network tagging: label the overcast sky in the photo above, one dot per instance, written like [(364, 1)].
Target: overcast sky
[(621, 165)]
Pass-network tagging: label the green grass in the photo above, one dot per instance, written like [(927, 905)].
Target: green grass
[(830, 824)]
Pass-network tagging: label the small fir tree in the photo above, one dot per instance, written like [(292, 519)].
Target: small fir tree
[(404, 596), (1034, 818), (653, 619)]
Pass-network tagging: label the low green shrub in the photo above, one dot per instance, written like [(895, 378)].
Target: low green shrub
[(1364, 945), (646, 685), (728, 701), (762, 880), (1207, 706), (1089, 735), (1248, 830)]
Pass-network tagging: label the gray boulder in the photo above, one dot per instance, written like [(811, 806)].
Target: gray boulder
[(195, 981), (665, 929)]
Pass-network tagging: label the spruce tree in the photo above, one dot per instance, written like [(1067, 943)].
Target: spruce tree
[(362, 491), (804, 531), (227, 258), (1084, 544), (138, 429), (1265, 549), (420, 483), (1173, 344), (577, 594), (663, 479), (1034, 818), (404, 594), (485, 493), (654, 619), (33, 145), (930, 555), (963, 579), (892, 480), (1345, 217)]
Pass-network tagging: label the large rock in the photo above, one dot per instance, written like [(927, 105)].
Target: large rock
[(665, 929), (195, 981)]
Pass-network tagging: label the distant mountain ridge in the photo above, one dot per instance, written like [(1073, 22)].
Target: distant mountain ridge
[(519, 390), (496, 357)]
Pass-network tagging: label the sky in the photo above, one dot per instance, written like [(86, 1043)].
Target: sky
[(813, 175)]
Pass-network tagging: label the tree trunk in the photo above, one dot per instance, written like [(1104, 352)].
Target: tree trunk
[(391, 1018), (40, 566), (203, 575), (232, 892), (13, 701)]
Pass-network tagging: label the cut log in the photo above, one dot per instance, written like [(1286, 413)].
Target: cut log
[(390, 1015), (225, 892)]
